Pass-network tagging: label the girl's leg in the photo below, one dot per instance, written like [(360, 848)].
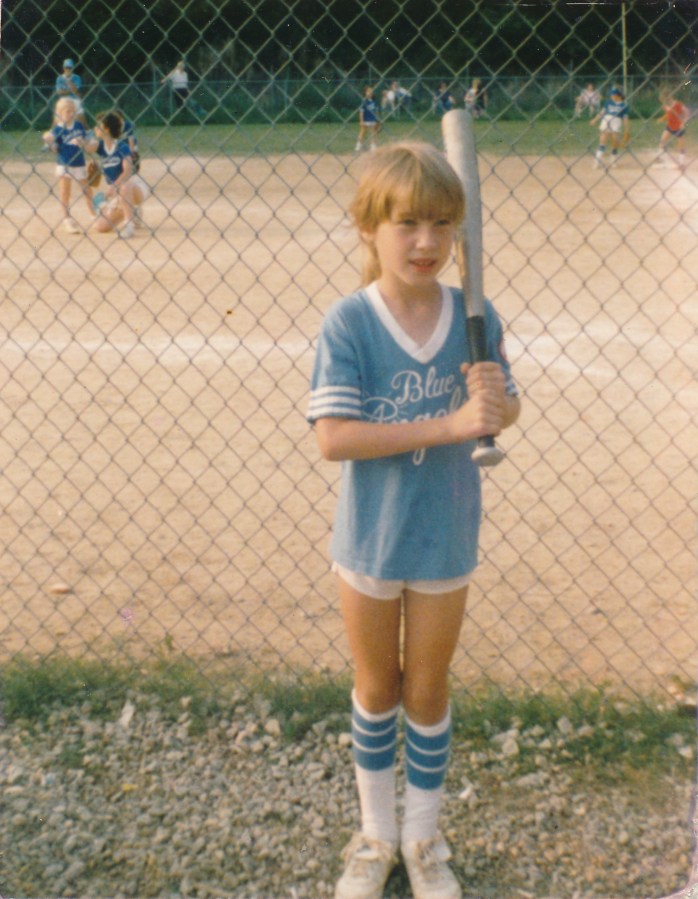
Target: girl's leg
[(432, 628), (64, 194), (108, 219), (360, 138), (373, 630), (602, 147), (130, 199), (87, 193)]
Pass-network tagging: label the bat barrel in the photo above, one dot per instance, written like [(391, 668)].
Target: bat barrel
[(459, 142)]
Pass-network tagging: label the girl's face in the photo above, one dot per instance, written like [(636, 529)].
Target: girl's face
[(411, 251), (66, 113)]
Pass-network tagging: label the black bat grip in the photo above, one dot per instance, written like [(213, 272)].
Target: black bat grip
[(486, 453)]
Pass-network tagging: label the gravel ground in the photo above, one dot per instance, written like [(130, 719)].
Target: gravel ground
[(140, 807)]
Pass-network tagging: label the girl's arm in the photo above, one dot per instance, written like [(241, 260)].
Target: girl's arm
[(488, 411)]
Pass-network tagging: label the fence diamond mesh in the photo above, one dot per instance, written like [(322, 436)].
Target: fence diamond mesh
[(160, 487)]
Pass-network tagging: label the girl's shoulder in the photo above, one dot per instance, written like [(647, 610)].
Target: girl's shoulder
[(353, 305)]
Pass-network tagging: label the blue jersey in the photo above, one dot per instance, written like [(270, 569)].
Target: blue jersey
[(63, 83), (68, 141), (128, 134), (414, 515), (113, 160), (369, 110), (444, 101), (616, 110)]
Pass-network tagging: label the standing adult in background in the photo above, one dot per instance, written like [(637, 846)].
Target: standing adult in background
[(179, 82), (588, 98), (68, 84)]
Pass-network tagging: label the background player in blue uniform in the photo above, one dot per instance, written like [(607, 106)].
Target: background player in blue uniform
[(615, 118), (69, 84), (67, 140), (394, 399), (444, 99), (369, 123), (125, 190)]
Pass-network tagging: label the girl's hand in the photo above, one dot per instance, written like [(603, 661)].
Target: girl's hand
[(110, 191), (483, 413)]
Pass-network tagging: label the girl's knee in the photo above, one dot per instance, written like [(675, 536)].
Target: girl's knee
[(425, 699), (378, 696)]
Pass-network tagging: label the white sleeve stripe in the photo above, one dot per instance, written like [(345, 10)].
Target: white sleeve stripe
[(339, 390), (320, 408)]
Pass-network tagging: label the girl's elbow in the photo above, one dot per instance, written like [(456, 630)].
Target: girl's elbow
[(328, 444), (328, 450)]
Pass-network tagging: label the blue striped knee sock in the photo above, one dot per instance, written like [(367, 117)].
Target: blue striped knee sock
[(374, 738), (427, 751)]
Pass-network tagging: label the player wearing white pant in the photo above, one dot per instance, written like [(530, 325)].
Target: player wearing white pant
[(614, 118), (125, 190)]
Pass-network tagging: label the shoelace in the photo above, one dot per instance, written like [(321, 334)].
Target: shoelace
[(431, 866), (363, 860)]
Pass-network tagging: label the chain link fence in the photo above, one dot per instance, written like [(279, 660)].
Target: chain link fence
[(160, 488)]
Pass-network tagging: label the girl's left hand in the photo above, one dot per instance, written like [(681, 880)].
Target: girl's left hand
[(484, 377)]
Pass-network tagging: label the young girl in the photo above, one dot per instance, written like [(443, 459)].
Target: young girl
[(67, 140), (614, 117), (394, 399), (368, 120), (676, 114), (125, 190)]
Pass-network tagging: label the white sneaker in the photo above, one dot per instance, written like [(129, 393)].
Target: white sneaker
[(368, 864), (128, 230), (427, 866), (71, 226)]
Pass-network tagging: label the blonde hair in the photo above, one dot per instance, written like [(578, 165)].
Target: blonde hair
[(414, 177), (64, 102)]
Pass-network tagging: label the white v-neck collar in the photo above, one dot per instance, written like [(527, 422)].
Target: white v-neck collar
[(427, 351)]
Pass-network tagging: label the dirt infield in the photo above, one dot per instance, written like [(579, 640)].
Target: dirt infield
[(160, 485)]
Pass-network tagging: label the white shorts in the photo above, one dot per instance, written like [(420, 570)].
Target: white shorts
[(379, 588), (79, 172), (611, 123)]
